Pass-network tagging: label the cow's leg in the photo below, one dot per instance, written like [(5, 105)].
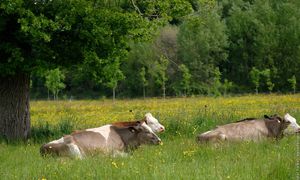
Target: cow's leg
[(211, 136), (75, 151)]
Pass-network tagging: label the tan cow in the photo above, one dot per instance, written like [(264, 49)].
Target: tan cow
[(105, 139), (249, 129)]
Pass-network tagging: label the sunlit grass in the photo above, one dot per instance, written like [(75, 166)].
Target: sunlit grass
[(180, 157)]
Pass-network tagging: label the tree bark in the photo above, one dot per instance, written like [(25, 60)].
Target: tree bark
[(14, 106)]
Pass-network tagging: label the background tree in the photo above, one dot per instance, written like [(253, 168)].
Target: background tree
[(186, 79), (144, 80), (159, 72), (216, 84), (46, 34), (202, 42), (263, 34), (255, 78), (54, 82), (293, 83), (267, 75), (113, 75), (227, 85)]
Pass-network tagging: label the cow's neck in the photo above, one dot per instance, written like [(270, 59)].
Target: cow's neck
[(129, 138), (275, 128)]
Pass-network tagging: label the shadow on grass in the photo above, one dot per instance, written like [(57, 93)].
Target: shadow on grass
[(44, 132)]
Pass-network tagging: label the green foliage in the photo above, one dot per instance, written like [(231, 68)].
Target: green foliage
[(102, 42), (293, 83), (159, 72), (262, 34), (113, 74), (43, 34), (227, 85), (255, 77), (267, 74), (216, 85), (143, 76), (186, 79), (44, 131), (54, 81), (202, 42), (144, 80), (164, 11)]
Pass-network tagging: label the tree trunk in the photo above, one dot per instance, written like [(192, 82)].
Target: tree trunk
[(114, 94), (14, 106)]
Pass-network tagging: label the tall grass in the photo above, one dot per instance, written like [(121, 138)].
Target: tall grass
[(180, 157)]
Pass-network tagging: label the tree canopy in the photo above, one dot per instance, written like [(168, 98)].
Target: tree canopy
[(97, 38)]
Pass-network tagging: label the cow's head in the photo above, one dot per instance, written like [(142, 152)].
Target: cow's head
[(144, 134), (277, 124), (287, 121), (153, 123), (293, 122)]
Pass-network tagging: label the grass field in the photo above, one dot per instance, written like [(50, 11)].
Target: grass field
[(178, 158)]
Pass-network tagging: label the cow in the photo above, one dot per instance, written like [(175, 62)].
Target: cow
[(105, 139), (151, 121), (292, 128), (249, 129)]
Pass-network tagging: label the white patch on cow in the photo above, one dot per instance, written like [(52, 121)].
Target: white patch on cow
[(153, 123), (293, 122), (103, 130), (61, 140), (74, 150)]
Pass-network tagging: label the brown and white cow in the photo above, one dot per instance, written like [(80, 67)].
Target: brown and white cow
[(249, 129), (106, 139)]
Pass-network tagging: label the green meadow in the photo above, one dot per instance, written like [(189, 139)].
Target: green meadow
[(179, 157)]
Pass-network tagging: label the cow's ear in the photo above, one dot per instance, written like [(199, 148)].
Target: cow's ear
[(267, 117)]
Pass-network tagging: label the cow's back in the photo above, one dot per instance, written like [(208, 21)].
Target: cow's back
[(246, 130), (243, 130)]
